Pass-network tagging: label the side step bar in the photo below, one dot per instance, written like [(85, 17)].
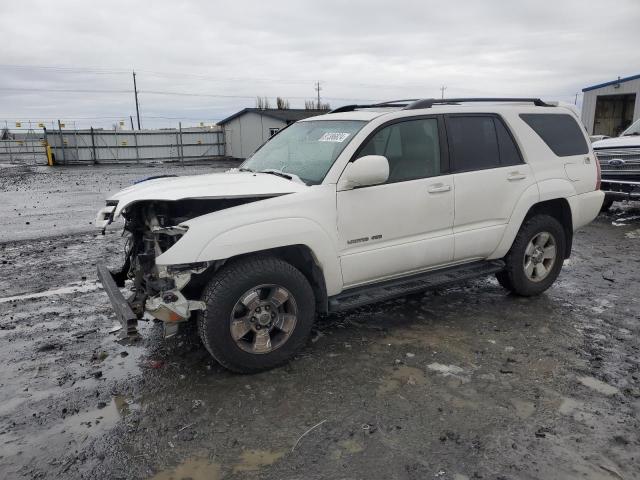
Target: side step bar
[(383, 291)]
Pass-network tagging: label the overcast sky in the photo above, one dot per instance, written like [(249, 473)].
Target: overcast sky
[(201, 61)]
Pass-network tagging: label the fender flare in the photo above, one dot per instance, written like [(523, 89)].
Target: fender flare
[(282, 232), (542, 191)]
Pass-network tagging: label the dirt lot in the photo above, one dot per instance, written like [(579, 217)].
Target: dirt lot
[(461, 383)]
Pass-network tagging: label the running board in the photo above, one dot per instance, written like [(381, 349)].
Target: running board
[(383, 291)]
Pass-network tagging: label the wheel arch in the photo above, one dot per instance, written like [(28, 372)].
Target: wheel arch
[(559, 209), (531, 204), (301, 257)]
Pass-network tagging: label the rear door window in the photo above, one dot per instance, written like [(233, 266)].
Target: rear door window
[(473, 143), (560, 132)]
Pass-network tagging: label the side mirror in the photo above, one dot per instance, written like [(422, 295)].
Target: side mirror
[(365, 171)]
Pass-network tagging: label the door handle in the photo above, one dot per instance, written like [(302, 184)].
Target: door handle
[(438, 188), (516, 176)]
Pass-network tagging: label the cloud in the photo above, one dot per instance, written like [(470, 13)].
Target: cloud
[(361, 50)]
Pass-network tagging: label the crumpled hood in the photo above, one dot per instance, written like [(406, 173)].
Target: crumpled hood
[(214, 185), (618, 142)]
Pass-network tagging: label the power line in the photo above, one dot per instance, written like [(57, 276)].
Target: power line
[(190, 94), (63, 90), (63, 68), (235, 80), (162, 92), (182, 74)]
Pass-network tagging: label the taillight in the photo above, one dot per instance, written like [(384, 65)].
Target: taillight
[(598, 173)]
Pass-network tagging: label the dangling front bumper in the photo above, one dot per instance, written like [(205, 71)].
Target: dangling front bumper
[(125, 315), (170, 306)]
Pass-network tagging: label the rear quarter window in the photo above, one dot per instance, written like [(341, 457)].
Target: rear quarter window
[(561, 133)]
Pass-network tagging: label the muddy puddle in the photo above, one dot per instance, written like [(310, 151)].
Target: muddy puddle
[(254, 460), (401, 377), (193, 469), (74, 431), (249, 462)]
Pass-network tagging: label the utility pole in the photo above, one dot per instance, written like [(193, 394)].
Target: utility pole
[(575, 101), (135, 92), (318, 88), (442, 89)]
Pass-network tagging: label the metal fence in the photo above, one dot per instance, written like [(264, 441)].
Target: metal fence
[(26, 147), (25, 152), (131, 146)]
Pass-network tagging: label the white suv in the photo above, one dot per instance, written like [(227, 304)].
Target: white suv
[(363, 204)]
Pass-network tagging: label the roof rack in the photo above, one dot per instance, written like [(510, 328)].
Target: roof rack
[(429, 102), (416, 103), (389, 104)]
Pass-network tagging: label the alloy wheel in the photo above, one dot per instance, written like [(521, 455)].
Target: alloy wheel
[(263, 319), (540, 256)]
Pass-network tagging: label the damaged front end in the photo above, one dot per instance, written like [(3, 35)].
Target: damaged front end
[(167, 293)]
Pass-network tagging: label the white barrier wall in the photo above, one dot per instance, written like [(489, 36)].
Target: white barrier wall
[(131, 146)]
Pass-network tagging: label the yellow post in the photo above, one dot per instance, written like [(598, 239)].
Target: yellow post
[(49, 157)]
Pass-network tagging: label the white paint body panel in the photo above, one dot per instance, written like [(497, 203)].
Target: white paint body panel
[(414, 229), (484, 203), (307, 217), (621, 142), (213, 185)]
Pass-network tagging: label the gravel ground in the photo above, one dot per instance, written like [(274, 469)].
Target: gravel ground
[(460, 383)]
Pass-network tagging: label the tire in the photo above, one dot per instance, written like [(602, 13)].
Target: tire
[(522, 275), (606, 205), (250, 300)]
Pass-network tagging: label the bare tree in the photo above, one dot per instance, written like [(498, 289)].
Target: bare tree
[(282, 104), (313, 105), (262, 103)]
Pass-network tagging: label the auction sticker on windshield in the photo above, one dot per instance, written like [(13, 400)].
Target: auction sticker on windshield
[(333, 137)]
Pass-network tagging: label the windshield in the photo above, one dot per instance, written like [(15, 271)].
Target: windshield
[(634, 129), (305, 149)]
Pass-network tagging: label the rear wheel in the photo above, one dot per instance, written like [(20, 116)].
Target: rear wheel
[(259, 313), (535, 258)]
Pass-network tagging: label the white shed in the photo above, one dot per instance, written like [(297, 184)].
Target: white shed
[(610, 107), (249, 128)]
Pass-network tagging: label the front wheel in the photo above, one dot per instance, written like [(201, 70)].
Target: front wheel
[(535, 258), (259, 313)]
